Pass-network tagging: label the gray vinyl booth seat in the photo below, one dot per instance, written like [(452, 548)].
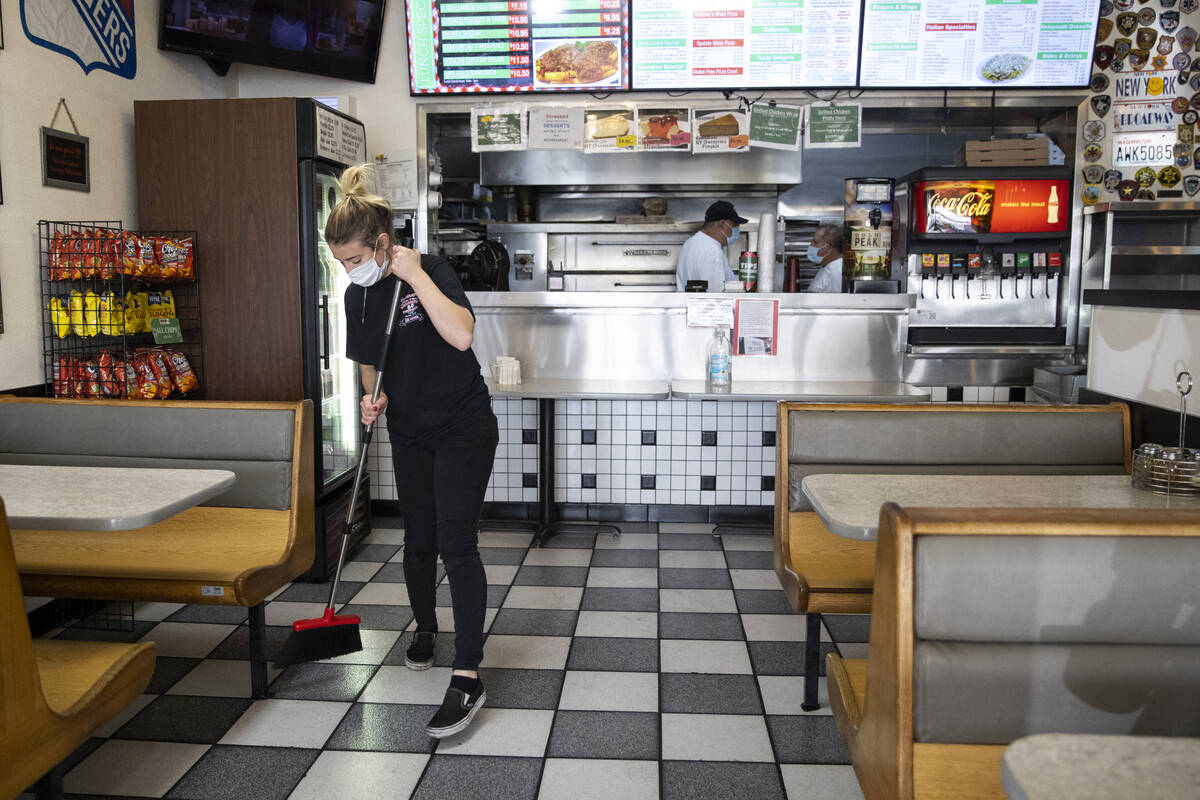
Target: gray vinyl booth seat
[(255, 444), (951, 441), (1017, 635)]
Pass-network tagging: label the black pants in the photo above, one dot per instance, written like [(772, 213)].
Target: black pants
[(440, 484)]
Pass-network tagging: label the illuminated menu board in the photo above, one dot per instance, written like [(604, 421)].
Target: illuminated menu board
[(717, 44), (517, 45), (978, 43)]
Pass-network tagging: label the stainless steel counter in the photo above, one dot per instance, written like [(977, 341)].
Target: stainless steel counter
[(575, 390), (805, 392), (645, 337)]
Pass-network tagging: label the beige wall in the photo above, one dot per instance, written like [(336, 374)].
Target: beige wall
[(32, 79)]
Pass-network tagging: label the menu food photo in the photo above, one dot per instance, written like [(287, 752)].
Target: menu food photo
[(699, 44), (978, 43), (464, 46)]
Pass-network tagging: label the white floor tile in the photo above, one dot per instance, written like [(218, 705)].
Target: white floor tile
[(691, 559), (504, 539), (624, 624), (627, 541), (145, 769), (713, 601), (34, 603), (215, 677), (558, 557), (749, 542), (685, 527), (376, 646), (598, 779), (361, 776), (853, 649), (820, 782), (403, 685), (445, 620), (155, 612), (715, 737), (549, 597), (783, 694), (286, 723), (775, 627), (285, 612), (382, 594), (692, 655), (385, 536), (187, 639), (500, 574), (609, 691), (623, 577), (124, 715), (360, 571), (754, 579), (526, 652), (502, 732)]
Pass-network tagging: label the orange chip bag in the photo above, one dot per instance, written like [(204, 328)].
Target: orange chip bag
[(149, 265), (131, 254), (185, 266), (87, 247), (75, 378), (166, 253), (181, 372), (158, 363), (58, 269), (73, 248), (129, 378), (91, 378), (108, 381), (62, 376), (147, 383)]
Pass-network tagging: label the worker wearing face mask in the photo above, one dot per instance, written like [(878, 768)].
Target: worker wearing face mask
[(826, 250), (702, 257)]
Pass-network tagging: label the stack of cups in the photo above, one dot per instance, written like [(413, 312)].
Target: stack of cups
[(506, 371), (766, 252)]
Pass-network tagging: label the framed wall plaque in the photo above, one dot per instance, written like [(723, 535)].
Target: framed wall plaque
[(65, 160)]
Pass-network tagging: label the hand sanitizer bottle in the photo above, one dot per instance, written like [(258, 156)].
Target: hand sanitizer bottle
[(717, 364)]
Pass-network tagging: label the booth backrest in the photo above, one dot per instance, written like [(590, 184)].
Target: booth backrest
[(251, 440), (960, 439), (1016, 635)]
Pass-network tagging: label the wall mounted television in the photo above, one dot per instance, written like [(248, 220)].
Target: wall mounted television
[(511, 46), (335, 38)]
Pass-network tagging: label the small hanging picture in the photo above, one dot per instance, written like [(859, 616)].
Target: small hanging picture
[(65, 160)]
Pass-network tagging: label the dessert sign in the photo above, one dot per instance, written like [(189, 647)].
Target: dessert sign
[(610, 130), (721, 130), (665, 129)]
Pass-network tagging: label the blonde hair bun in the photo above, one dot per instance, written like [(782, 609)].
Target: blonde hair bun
[(362, 214)]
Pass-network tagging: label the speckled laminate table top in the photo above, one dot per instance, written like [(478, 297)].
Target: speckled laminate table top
[(103, 498), (849, 504), (1061, 766)]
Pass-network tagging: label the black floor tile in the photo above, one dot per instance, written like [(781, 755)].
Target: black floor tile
[(749, 559), (380, 618), (762, 601), (535, 622), (783, 658), (688, 541), (610, 599), (609, 654), (604, 734), (700, 626), (692, 693), (317, 593), (236, 645), (168, 671), (694, 579), (375, 552), (229, 772), (390, 573), (139, 630), (479, 778), (846, 628), (385, 727), (551, 576), (495, 595), (625, 558), (573, 538), (512, 556), (720, 780), (811, 739), (523, 688), (180, 718), (337, 682), (220, 615)]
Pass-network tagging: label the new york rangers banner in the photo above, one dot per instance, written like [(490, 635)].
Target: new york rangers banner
[(98, 34)]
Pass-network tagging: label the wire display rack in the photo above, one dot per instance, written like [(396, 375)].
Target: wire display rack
[(101, 286)]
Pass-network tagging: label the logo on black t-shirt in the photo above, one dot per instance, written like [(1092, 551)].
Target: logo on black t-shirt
[(410, 310)]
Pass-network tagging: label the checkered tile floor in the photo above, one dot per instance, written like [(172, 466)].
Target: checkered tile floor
[(663, 663)]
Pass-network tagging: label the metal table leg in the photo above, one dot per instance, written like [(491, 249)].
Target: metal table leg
[(547, 524)]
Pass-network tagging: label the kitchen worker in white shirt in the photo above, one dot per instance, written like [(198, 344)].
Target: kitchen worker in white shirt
[(826, 250), (702, 257)]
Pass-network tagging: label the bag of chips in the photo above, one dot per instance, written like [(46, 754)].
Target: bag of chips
[(158, 363), (59, 377), (131, 254), (185, 268), (150, 268), (91, 378), (130, 379), (58, 269), (60, 320), (182, 375), (73, 249), (76, 379), (166, 254), (108, 383), (147, 383), (91, 313), (106, 254), (75, 308)]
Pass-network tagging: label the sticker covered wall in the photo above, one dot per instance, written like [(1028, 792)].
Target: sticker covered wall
[(97, 35)]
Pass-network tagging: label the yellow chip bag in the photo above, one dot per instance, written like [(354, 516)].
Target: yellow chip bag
[(75, 306), (168, 303), (143, 311), (59, 318), (91, 313)]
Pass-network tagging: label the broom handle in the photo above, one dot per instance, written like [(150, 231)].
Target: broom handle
[(362, 455)]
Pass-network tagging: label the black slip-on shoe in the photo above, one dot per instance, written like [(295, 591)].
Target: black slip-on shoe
[(419, 654), (457, 711)]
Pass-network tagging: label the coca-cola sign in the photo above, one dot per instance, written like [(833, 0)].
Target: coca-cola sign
[(991, 206)]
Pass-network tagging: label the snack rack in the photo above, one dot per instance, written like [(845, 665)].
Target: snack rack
[(107, 331)]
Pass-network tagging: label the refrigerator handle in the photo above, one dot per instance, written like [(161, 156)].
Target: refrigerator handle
[(325, 329)]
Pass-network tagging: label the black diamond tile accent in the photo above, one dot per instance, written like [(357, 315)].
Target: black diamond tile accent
[(954, 394), (529, 436), (649, 437), (529, 480), (383, 727), (708, 438), (1015, 395), (768, 483), (179, 718), (587, 436), (647, 481), (768, 439), (708, 483), (689, 693), (493, 777), (702, 780), (604, 734), (588, 480), (264, 773)]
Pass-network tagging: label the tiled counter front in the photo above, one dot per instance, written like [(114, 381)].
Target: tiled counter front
[(665, 452)]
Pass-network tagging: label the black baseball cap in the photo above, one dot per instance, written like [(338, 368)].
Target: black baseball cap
[(723, 209)]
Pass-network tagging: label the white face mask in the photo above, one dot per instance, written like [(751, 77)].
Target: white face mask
[(733, 235), (369, 272), (814, 254)]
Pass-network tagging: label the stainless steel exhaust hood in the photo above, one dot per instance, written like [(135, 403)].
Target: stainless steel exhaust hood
[(575, 168)]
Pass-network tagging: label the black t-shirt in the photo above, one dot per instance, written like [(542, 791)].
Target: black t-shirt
[(431, 385)]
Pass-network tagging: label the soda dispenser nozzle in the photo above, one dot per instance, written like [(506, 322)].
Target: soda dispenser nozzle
[(875, 217)]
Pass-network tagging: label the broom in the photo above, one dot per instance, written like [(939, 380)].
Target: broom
[(332, 634)]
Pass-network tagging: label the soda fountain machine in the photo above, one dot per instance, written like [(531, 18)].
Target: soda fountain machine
[(868, 235)]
